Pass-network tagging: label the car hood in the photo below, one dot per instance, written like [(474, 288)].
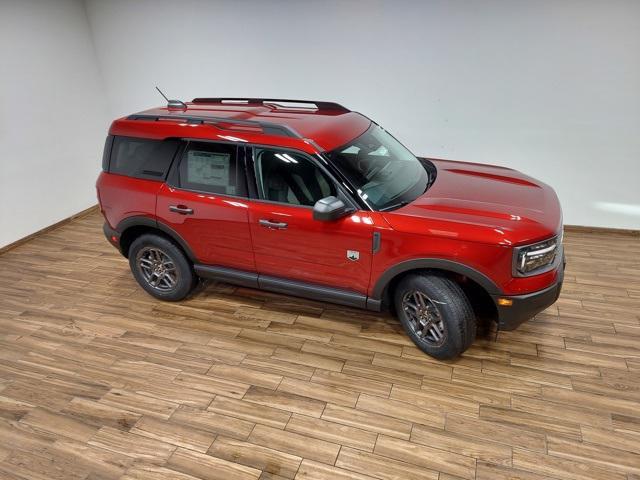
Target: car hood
[(483, 203)]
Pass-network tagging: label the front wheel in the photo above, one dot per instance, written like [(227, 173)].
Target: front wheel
[(161, 268), (436, 314)]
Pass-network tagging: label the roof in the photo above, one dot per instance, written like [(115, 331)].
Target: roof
[(320, 124)]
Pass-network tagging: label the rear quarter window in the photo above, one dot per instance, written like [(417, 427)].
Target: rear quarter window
[(106, 154), (142, 157)]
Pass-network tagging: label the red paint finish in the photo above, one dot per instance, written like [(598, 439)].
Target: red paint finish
[(327, 130), (310, 250), (483, 204), (473, 214), (218, 229), (121, 197), (166, 129)]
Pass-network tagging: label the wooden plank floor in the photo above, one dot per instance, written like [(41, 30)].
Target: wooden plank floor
[(100, 381)]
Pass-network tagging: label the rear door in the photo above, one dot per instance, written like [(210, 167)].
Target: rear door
[(205, 202), (288, 242)]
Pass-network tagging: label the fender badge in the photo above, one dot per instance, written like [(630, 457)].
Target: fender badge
[(353, 255)]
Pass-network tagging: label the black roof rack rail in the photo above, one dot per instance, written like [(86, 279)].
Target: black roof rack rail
[(267, 127), (320, 105)]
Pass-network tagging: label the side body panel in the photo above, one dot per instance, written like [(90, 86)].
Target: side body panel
[(121, 197), (217, 231), (310, 250), (492, 262)]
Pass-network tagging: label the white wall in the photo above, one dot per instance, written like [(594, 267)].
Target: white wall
[(53, 115), (548, 87)]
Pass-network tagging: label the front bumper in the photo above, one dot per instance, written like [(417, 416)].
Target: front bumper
[(525, 307)]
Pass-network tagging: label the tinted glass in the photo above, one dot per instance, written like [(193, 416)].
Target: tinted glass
[(106, 154), (211, 167), (290, 178), (385, 174), (141, 157)]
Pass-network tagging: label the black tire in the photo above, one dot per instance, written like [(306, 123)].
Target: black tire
[(436, 314), (154, 258)]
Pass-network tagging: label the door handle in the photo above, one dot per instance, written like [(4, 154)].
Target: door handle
[(181, 209), (273, 225)]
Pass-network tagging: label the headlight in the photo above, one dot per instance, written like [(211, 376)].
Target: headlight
[(536, 258)]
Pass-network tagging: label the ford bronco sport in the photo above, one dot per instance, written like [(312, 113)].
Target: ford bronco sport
[(311, 199)]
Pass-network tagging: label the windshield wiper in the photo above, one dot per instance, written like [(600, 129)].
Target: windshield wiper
[(395, 205)]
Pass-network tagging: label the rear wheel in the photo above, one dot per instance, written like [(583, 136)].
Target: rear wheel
[(436, 314), (161, 268)]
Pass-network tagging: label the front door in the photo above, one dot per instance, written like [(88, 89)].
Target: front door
[(288, 242), (205, 202)]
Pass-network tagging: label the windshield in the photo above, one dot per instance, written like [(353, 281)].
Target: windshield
[(385, 174)]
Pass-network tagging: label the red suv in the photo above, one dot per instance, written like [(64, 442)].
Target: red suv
[(314, 200)]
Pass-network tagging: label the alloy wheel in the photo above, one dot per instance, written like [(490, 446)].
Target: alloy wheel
[(424, 318), (157, 268)]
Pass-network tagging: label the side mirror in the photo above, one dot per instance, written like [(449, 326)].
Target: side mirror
[(329, 208)]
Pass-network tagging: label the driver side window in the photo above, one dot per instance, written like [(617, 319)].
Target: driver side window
[(287, 177)]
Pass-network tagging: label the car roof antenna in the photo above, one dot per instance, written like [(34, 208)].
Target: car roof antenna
[(173, 104)]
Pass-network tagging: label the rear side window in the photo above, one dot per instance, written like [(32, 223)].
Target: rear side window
[(212, 168), (106, 154), (142, 157)]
